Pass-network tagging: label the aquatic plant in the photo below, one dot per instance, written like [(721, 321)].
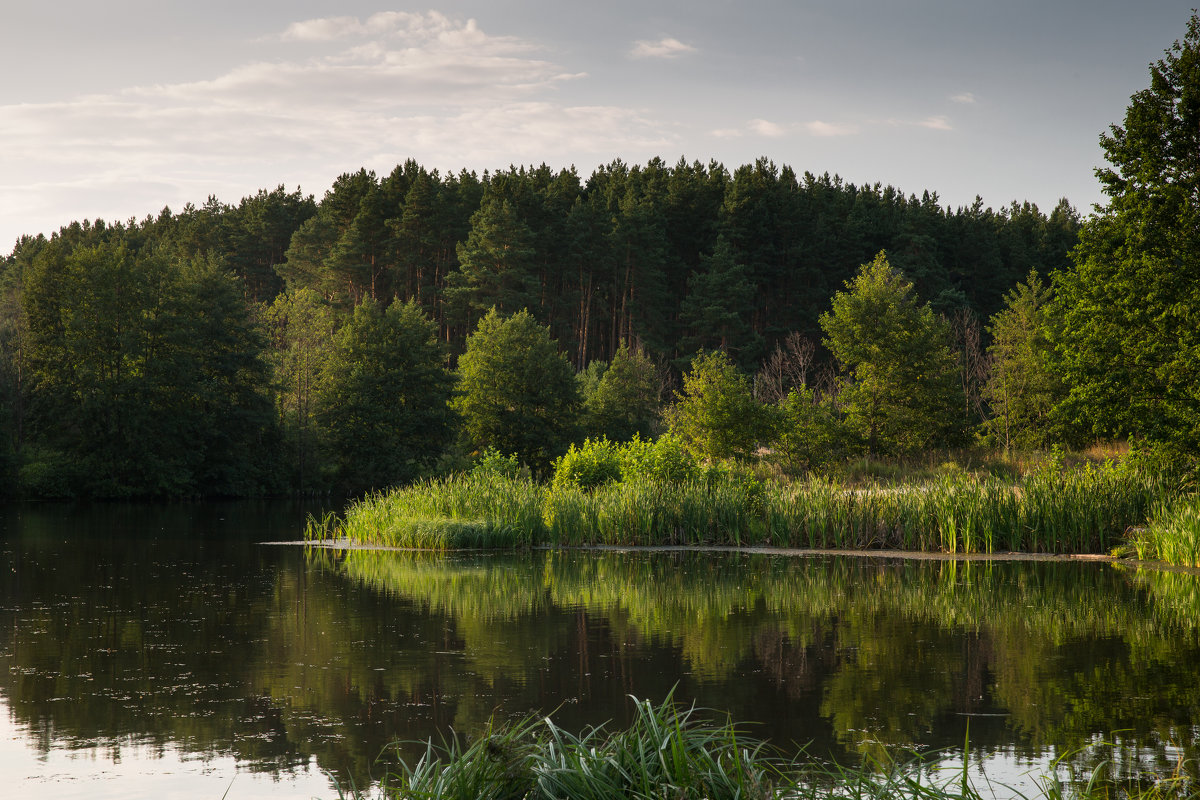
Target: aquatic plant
[(1173, 534), (1086, 509), (479, 509), (670, 751)]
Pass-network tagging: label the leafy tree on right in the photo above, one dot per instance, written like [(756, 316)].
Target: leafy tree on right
[(1131, 306)]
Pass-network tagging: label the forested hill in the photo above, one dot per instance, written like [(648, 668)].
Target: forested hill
[(218, 350), (672, 258)]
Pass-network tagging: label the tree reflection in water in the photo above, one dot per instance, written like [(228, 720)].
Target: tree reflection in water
[(275, 656)]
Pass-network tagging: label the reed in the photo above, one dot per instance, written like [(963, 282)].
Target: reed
[(1055, 509), (476, 510), (667, 752), (1173, 534), (673, 752)]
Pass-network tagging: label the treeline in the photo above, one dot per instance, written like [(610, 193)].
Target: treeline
[(288, 345)]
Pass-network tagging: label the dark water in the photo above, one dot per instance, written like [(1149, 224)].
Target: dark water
[(164, 651)]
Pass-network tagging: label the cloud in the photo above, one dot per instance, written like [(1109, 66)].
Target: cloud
[(820, 128), (775, 130), (764, 128), (964, 98), (355, 93), (666, 47), (935, 123), (938, 123)]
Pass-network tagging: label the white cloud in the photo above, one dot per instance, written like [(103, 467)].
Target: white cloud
[(726, 133), (935, 123), (667, 47), (775, 130), (394, 86), (765, 128), (964, 98), (820, 128)]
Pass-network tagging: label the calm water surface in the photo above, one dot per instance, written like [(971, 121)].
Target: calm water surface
[(163, 651)]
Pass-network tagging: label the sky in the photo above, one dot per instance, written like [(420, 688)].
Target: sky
[(116, 110)]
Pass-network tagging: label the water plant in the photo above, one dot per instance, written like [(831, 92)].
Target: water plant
[(1054, 509), (670, 751), (1173, 534), (479, 509)]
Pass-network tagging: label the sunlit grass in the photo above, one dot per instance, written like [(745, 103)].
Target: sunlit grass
[(1173, 534), (1054, 509)]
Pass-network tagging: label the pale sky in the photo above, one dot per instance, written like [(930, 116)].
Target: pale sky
[(114, 110)]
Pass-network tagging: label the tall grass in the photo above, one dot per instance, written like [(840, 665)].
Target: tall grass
[(1085, 509), (670, 752), (667, 752), (480, 509), (1173, 534)]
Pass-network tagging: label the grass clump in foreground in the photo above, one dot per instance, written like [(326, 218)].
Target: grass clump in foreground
[(672, 752)]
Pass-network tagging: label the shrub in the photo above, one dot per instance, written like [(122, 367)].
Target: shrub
[(664, 459), (492, 463), (594, 463)]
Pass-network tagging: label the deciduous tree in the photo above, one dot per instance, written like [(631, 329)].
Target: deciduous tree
[(1131, 309), (716, 414), (899, 380), (516, 392)]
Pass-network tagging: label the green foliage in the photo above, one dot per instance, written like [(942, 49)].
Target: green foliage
[(621, 265), (479, 509), (147, 372), (623, 400), (667, 751), (662, 460), (1052, 510), (515, 391), (491, 462), (1130, 342), (302, 328), (595, 462), (383, 403), (899, 373), (719, 305), (809, 433), (1024, 383), (1172, 535), (496, 262), (716, 415)]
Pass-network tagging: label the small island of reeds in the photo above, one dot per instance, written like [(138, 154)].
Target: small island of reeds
[(652, 493)]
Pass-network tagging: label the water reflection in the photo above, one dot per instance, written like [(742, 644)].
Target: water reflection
[(172, 630)]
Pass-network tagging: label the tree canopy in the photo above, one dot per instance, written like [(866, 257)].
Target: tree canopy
[(1130, 306), (516, 392), (898, 372)]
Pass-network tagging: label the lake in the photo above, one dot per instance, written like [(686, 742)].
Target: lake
[(163, 650)]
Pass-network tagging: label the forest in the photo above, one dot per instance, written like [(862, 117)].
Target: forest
[(405, 324)]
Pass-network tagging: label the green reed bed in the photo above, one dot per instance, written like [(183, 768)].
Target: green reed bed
[(673, 752), (1084, 510), (464, 511), (648, 512), (1173, 534), (1054, 510)]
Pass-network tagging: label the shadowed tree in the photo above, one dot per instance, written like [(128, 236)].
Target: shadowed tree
[(516, 392)]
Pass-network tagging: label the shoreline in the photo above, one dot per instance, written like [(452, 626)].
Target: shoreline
[(793, 552)]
